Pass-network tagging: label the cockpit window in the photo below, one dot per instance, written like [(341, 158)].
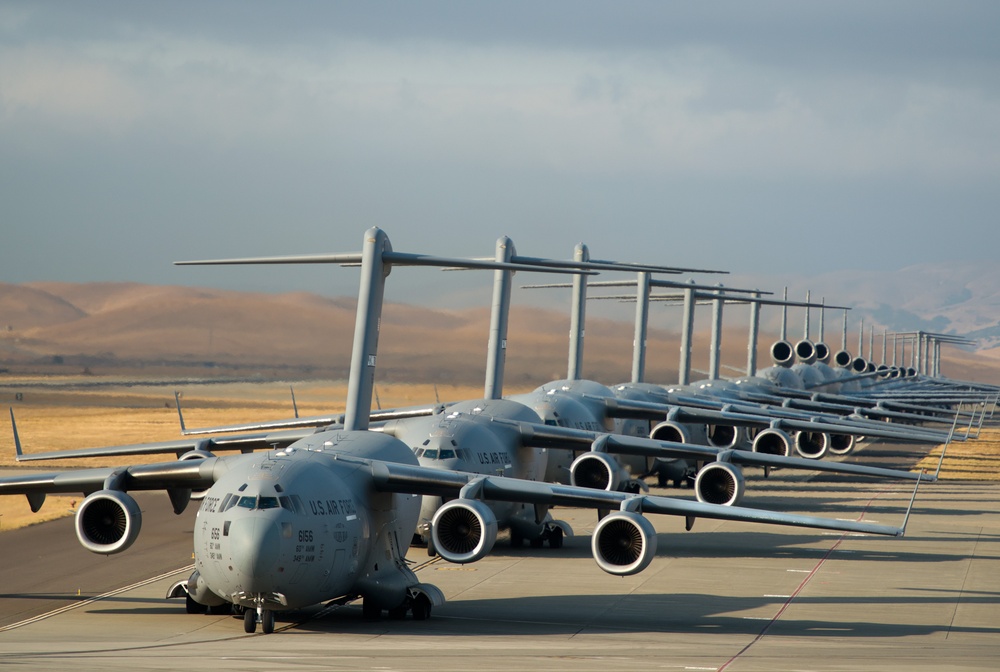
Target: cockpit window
[(258, 502), (431, 453), (550, 421), (445, 454)]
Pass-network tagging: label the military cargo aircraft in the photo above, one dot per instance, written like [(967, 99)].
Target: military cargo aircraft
[(328, 516)]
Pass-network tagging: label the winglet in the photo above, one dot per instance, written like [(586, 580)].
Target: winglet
[(913, 497), (180, 415), (18, 453), (295, 407)]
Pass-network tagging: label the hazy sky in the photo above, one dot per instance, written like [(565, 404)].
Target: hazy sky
[(796, 137)]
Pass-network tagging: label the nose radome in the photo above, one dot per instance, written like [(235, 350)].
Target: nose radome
[(255, 545)]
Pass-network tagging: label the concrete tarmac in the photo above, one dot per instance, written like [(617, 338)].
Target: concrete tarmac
[(725, 596)]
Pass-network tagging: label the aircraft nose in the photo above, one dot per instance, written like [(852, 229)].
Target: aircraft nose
[(255, 542)]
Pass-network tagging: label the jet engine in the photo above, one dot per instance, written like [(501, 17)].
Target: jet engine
[(464, 530), (108, 521), (720, 483), (842, 359), (672, 431), (724, 436), (773, 442), (596, 470), (812, 445), (623, 543), (782, 353), (841, 444), (805, 351)]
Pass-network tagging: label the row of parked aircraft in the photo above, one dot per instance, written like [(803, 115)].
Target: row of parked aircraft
[(356, 489)]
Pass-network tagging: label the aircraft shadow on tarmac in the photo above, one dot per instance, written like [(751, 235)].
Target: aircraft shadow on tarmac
[(641, 613), (763, 545)]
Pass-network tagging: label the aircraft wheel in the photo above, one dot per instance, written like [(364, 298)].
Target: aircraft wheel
[(431, 549), (556, 537), (399, 612), (421, 608), (267, 621), (250, 621), (193, 607), (223, 609), (537, 543), (516, 540)]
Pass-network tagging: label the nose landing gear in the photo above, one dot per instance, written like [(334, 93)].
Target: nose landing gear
[(259, 615)]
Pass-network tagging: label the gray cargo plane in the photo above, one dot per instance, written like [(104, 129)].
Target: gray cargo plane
[(327, 516)]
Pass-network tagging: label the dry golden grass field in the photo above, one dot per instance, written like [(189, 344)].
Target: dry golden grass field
[(58, 418)]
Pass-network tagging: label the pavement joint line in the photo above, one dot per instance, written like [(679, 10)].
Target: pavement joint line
[(805, 581), (965, 579), (96, 598)]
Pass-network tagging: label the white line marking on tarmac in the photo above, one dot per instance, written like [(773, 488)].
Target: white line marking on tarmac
[(96, 598)]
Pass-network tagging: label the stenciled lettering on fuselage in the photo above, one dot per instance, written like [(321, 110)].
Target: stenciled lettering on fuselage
[(493, 458), (333, 507), (305, 550)]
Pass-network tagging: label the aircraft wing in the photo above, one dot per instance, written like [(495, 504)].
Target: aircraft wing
[(178, 478), (391, 477)]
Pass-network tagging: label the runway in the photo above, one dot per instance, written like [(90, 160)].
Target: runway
[(726, 596)]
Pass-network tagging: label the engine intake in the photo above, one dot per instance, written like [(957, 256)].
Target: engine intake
[(464, 530), (805, 351), (108, 521), (623, 543), (782, 353), (841, 444), (773, 442), (812, 445), (596, 470), (843, 359), (724, 436), (720, 483)]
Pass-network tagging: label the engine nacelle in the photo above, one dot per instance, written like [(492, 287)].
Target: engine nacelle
[(725, 436), (859, 365), (782, 353), (464, 530), (843, 359), (823, 352), (805, 351), (720, 483), (673, 431), (596, 470), (773, 442), (812, 445), (108, 521), (623, 543), (841, 444)]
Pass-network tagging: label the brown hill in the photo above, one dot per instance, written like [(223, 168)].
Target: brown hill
[(118, 328)]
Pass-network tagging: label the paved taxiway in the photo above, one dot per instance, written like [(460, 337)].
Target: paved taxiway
[(724, 596)]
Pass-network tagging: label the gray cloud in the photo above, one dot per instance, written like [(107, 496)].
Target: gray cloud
[(807, 137)]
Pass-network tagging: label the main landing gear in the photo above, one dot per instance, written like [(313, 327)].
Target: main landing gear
[(552, 534), (418, 605)]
